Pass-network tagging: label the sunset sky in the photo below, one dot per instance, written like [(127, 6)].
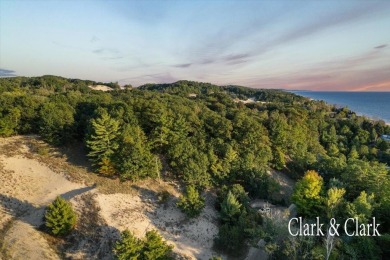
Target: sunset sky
[(316, 45)]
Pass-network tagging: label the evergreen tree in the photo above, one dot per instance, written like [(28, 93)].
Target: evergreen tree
[(155, 248), (128, 247), (191, 203), (134, 159), (60, 217), (103, 142), (230, 208)]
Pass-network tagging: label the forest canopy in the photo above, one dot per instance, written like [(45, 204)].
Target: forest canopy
[(210, 137)]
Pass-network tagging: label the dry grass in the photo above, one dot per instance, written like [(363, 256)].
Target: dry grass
[(4, 253)]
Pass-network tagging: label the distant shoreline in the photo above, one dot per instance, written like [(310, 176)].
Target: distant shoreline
[(373, 107)]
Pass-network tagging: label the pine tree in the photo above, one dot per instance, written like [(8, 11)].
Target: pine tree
[(152, 247), (155, 248), (134, 159), (191, 203), (102, 142), (230, 208), (128, 247), (60, 217)]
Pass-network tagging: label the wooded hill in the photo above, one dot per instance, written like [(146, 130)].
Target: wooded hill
[(223, 138)]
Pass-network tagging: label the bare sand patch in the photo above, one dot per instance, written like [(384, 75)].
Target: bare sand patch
[(140, 213), (100, 87), (27, 187)]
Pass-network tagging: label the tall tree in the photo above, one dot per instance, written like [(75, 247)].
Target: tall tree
[(230, 208), (103, 142), (134, 159), (56, 122), (306, 194)]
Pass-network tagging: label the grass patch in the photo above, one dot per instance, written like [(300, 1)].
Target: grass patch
[(4, 253)]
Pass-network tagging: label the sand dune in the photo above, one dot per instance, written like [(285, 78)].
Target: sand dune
[(29, 185)]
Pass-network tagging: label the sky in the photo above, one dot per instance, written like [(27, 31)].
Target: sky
[(311, 45)]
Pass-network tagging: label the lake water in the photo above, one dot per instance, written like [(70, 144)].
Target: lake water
[(375, 105)]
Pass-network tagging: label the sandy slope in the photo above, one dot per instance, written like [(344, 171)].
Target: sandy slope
[(140, 213), (28, 185)]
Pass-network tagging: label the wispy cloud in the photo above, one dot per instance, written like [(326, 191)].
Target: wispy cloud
[(381, 46), (105, 51), (109, 53), (185, 65), (220, 48), (233, 57), (7, 73)]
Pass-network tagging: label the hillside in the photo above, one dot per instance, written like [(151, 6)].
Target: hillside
[(190, 159)]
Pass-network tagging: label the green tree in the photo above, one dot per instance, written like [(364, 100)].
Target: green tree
[(134, 159), (155, 248), (128, 247), (60, 218), (230, 208), (278, 160), (334, 200), (362, 207), (237, 190), (103, 142), (9, 121), (191, 203), (306, 194), (56, 122), (152, 247), (231, 239)]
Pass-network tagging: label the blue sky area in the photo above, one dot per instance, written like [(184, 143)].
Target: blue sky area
[(317, 45)]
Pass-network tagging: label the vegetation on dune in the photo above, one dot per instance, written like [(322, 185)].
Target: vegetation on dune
[(191, 203), (206, 138), (60, 218), (151, 247)]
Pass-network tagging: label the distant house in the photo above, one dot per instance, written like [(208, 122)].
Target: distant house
[(386, 138)]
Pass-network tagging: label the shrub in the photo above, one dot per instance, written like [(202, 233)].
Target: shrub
[(151, 247), (60, 217), (155, 247), (231, 239), (163, 197), (191, 203), (129, 247)]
